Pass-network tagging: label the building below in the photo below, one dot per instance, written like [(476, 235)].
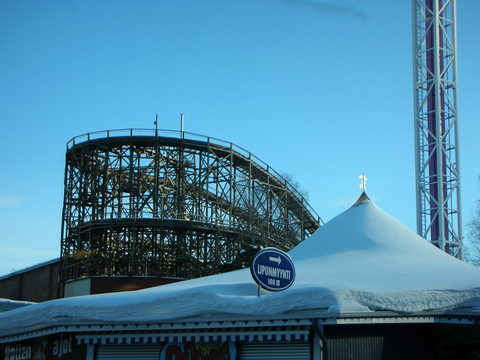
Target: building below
[(107, 284), (36, 283), (366, 287), (294, 336), (39, 283)]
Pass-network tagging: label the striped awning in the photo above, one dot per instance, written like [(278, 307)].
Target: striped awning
[(257, 335)]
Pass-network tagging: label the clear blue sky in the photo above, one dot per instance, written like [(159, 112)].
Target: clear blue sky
[(321, 90)]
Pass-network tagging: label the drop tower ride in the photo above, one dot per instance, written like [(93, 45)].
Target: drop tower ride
[(437, 174)]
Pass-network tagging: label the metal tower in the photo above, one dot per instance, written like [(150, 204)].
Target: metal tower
[(437, 174)]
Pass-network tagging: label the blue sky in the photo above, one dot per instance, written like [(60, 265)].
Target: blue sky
[(321, 90)]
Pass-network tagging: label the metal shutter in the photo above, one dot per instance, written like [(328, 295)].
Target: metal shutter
[(357, 347), (273, 351), (131, 352)]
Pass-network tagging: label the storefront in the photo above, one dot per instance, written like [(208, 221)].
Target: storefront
[(207, 351), (378, 336), (53, 347), (366, 288), (224, 340)]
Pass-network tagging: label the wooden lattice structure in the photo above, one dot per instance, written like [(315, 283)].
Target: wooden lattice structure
[(176, 205)]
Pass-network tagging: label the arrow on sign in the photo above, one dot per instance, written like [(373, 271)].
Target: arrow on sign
[(278, 260)]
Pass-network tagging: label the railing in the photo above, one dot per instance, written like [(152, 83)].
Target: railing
[(105, 134)]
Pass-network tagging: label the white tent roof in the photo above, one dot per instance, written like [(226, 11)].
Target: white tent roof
[(362, 260)]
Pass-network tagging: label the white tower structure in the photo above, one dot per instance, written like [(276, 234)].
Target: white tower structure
[(437, 174)]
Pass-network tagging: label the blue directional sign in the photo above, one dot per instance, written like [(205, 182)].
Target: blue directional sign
[(273, 269)]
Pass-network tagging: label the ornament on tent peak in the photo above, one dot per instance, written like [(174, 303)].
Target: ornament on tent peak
[(363, 182), (363, 186)]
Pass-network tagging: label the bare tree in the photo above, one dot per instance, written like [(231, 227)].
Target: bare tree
[(472, 250), (292, 181)]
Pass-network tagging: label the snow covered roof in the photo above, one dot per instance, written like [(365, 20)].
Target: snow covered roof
[(30, 268), (7, 304), (361, 261)]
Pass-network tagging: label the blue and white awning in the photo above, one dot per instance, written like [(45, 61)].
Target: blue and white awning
[(257, 335)]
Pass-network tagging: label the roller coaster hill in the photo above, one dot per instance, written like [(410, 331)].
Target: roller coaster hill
[(170, 204)]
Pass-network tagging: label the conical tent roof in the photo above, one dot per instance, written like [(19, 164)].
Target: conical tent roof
[(364, 248), (362, 260), (368, 258)]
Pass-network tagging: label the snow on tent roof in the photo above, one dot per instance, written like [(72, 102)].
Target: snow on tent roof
[(7, 304), (362, 260)]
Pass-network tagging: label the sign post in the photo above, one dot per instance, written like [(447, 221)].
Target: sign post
[(272, 270)]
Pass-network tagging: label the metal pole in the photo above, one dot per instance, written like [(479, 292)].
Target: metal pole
[(457, 152), (181, 125), (155, 169), (439, 131), (417, 124)]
